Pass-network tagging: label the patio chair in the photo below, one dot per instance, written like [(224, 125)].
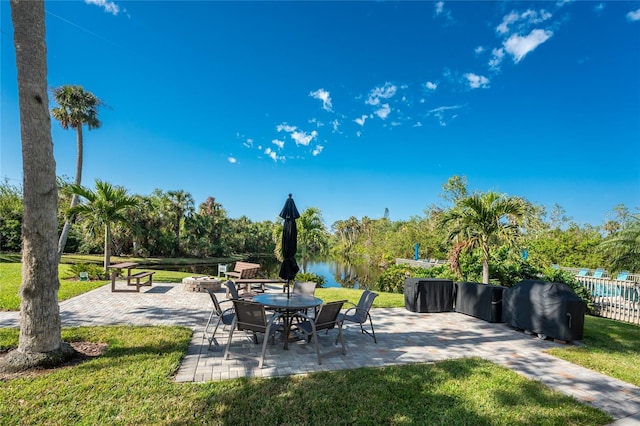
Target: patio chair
[(325, 319), (250, 316), (304, 288), (233, 291), (224, 316), (623, 276), (583, 272), (360, 313)]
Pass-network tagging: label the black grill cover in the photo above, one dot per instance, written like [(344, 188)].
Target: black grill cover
[(483, 301), (428, 295), (551, 309)]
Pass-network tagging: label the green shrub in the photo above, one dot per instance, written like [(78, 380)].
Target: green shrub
[(95, 271), (392, 279), (560, 276), (310, 276)]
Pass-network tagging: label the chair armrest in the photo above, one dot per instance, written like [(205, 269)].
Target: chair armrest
[(356, 309)]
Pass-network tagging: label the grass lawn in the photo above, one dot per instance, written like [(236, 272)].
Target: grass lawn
[(11, 278), (132, 384), (610, 347)]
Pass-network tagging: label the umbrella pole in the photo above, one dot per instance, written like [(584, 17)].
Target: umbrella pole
[(288, 285)]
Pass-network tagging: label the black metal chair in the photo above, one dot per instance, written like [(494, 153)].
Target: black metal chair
[(233, 291), (250, 316), (304, 288), (325, 319), (224, 316), (360, 313)]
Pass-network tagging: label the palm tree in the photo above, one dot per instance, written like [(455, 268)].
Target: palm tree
[(482, 220), (180, 204), (40, 341), (76, 107), (312, 234), (623, 247), (105, 206)]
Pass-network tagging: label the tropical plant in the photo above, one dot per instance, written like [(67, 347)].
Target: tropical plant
[(622, 248), (10, 217), (392, 279), (312, 234), (76, 107), (104, 207), (310, 276), (40, 341), (481, 221), (180, 205)]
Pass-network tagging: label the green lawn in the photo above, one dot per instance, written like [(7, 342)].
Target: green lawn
[(132, 384), (10, 279), (610, 347)]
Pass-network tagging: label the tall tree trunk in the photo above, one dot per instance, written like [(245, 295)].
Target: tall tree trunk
[(64, 235), (40, 341), (485, 263), (107, 247)]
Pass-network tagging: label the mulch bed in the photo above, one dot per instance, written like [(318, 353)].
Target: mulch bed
[(84, 352)]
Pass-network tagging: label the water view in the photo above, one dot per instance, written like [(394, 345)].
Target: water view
[(337, 273)]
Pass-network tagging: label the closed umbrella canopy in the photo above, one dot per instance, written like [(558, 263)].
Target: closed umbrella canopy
[(289, 267)]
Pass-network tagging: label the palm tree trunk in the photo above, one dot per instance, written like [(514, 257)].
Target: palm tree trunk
[(40, 324), (107, 247), (485, 263), (64, 235)]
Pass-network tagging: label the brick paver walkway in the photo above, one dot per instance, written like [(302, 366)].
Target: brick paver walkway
[(403, 338)]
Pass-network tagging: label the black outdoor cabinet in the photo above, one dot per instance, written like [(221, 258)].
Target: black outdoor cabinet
[(483, 301), (428, 295), (549, 309)]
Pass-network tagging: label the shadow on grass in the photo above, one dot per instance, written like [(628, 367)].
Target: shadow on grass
[(460, 392)]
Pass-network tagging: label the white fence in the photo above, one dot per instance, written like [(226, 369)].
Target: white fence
[(615, 299)]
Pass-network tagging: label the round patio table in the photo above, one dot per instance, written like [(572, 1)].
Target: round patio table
[(287, 306)]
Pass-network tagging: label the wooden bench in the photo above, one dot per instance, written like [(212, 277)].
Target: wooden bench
[(131, 279), (138, 276), (244, 270), (249, 282)]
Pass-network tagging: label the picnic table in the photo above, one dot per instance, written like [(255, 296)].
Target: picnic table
[(132, 279)]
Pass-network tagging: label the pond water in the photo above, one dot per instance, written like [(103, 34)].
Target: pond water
[(336, 273)]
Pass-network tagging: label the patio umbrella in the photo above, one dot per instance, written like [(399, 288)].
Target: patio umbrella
[(289, 267)]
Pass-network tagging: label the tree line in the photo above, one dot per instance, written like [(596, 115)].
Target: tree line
[(481, 233)]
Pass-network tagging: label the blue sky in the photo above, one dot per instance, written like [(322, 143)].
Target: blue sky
[(353, 107)]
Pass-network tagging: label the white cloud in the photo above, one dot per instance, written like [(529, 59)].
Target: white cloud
[(284, 127), (518, 47), (476, 81), (317, 150), (431, 85), (303, 138), (496, 58), (248, 143), (232, 160), (441, 113), (278, 143), (335, 124), (385, 91), (524, 20), (384, 111), (633, 16), (440, 11), (273, 155), (361, 120), (324, 96), (108, 6), (439, 7), (478, 50)]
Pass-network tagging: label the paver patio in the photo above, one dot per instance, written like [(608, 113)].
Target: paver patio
[(403, 337)]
